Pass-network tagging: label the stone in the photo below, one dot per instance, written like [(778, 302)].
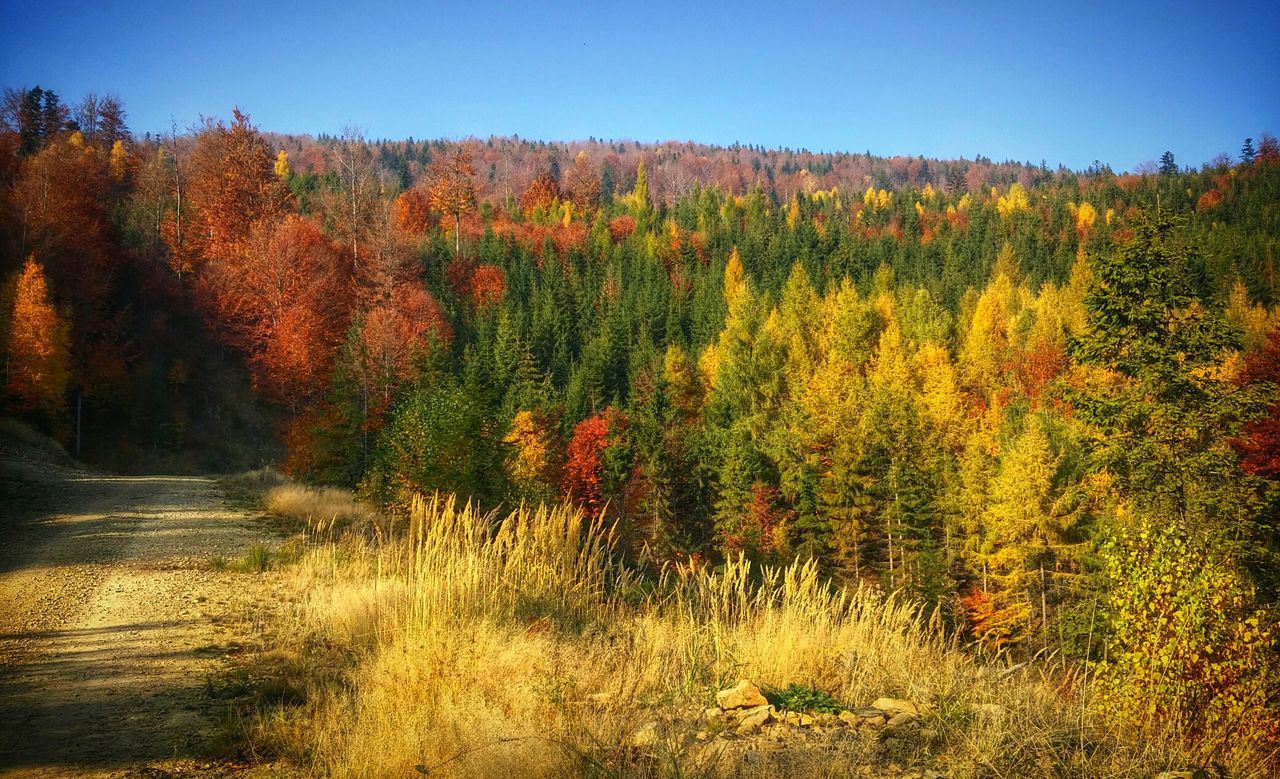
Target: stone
[(753, 719), (992, 710), (713, 713), (807, 721), (901, 719), (646, 736), (760, 715), (851, 719), (743, 695), (896, 705), (747, 729)]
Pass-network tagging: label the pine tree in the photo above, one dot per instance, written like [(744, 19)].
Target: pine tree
[(1246, 152), (1189, 641)]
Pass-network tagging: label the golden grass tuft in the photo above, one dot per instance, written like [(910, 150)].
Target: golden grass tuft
[(326, 511), (474, 644)]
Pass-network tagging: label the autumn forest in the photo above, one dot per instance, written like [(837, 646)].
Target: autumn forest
[(1040, 404)]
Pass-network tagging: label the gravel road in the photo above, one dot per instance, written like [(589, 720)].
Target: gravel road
[(111, 619)]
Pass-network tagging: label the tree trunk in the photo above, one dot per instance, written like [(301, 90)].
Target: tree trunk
[(1044, 607)]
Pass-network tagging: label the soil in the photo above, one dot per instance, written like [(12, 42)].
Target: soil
[(113, 623)]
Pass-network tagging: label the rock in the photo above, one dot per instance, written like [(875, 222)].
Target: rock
[(807, 721), (713, 713), (751, 757), (702, 735), (851, 719), (901, 719), (896, 705), (743, 695), (928, 734), (753, 719), (646, 736), (759, 715), (792, 718), (932, 774)]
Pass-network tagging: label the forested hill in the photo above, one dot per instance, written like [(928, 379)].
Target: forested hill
[(507, 166), (967, 381)]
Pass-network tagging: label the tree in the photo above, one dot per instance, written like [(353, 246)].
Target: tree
[(411, 213), (36, 115), (1187, 630), (394, 336), (1246, 152), (452, 191), (352, 208), (439, 439), (586, 479), (1027, 523), (233, 188), (583, 183), (534, 455), (1167, 166), (1165, 418), (539, 196), (282, 305), (1260, 442), (36, 355)]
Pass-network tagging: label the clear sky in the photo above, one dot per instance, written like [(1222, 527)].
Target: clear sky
[(1064, 81)]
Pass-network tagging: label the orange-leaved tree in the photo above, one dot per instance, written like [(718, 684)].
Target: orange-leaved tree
[(36, 355), (283, 305), (452, 189), (587, 475)]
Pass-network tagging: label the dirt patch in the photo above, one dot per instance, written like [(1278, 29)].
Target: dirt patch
[(112, 622)]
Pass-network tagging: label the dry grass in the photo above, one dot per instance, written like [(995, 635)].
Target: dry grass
[(325, 512), (474, 645)]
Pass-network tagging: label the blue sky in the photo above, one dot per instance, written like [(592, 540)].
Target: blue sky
[(1065, 81)]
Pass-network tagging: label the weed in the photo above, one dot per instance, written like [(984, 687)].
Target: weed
[(801, 697)]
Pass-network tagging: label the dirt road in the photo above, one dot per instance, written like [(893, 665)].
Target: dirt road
[(112, 620)]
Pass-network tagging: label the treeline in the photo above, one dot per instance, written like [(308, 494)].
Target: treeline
[(1041, 402)]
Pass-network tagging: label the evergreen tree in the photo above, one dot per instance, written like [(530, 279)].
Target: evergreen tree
[(1246, 152), (1189, 642)]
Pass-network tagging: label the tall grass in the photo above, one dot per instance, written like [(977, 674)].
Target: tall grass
[(474, 644)]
